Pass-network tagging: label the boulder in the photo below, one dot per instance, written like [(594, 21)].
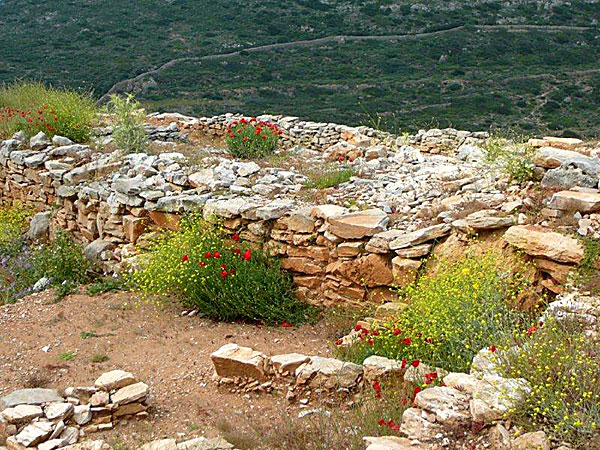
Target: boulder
[(359, 224), (484, 220), (231, 360), (39, 226), (93, 251), (420, 236), (583, 202), (405, 270), (420, 425), (60, 141), (114, 379), (35, 433), (371, 270), (58, 411), (391, 443), (379, 368), (539, 241), (450, 406), (494, 396), (82, 414), (380, 243), (22, 413)]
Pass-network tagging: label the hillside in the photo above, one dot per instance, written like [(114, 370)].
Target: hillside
[(471, 65)]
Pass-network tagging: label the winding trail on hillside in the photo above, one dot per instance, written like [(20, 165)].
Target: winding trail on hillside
[(129, 84)]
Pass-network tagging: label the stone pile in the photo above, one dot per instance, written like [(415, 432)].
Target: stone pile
[(47, 420)]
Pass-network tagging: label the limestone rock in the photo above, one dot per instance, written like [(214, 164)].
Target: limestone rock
[(22, 413), (420, 236), (494, 396), (231, 360), (420, 425), (39, 226), (288, 362), (58, 411), (202, 443), (93, 251), (130, 393), (462, 382), (59, 141), (391, 443), (576, 201), (380, 243), (532, 441), (34, 434), (39, 142), (35, 396), (329, 374), (371, 270), (379, 368), (538, 241), (163, 444), (359, 224), (450, 406), (326, 211), (89, 445), (499, 438), (82, 414), (114, 379), (405, 270), (484, 220)]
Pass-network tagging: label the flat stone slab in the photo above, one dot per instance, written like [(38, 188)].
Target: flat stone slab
[(131, 393), (576, 201), (35, 433), (115, 379), (420, 236), (22, 413), (36, 396), (231, 360), (359, 224), (539, 241)]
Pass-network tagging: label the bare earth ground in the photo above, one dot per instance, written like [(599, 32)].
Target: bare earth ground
[(169, 352)]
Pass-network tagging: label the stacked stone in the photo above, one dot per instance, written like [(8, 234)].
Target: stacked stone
[(46, 420), (445, 141)]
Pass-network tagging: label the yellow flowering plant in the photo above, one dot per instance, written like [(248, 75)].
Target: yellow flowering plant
[(452, 314), (224, 280), (562, 364)]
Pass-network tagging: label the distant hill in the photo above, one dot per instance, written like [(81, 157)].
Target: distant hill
[(528, 66)]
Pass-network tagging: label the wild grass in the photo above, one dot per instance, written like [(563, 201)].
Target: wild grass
[(329, 178)]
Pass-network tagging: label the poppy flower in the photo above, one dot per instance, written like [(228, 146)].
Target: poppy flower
[(397, 332), (237, 251), (185, 258), (223, 266), (232, 272), (417, 390), (493, 348), (284, 324), (224, 274), (341, 158), (381, 423), (247, 255), (202, 264), (216, 255), (415, 363), (358, 327), (208, 255), (236, 237), (407, 341), (403, 364)]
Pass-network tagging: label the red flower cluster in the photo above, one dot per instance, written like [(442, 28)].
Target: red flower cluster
[(377, 388), (224, 271), (42, 119), (389, 424), (430, 377), (258, 128)]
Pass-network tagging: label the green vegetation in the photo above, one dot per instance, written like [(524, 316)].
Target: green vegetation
[(563, 367), (588, 276), (99, 358), (67, 356), (329, 178), (451, 315), (129, 133), (252, 139), (103, 285), (62, 261), (13, 224), (34, 107), (537, 80), (226, 282), (515, 159)]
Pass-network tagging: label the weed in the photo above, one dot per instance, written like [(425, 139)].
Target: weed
[(67, 356), (515, 159), (103, 285), (88, 334), (129, 133), (99, 358), (328, 179)]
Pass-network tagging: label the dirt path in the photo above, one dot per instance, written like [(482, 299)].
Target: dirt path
[(169, 352), (127, 85)]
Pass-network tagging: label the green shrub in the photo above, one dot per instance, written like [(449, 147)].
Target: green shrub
[(514, 159), (129, 133), (562, 365), (251, 138), (61, 261), (329, 179), (34, 107), (226, 282), (462, 308), (103, 285)]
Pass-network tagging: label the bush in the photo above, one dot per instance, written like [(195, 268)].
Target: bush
[(251, 138), (129, 132), (34, 107), (61, 261), (515, 160), (562, 364), (451, 315), (226, 282)]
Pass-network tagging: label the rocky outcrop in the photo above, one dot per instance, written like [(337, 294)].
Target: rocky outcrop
[(539, 241)]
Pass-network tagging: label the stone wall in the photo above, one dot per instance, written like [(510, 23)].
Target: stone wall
[(338, 251)]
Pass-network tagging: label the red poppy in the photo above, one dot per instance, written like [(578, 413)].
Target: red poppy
[(403, 365), (407, 341), (417, 390), (397, 332), (415, 363), (208, 255), (185, 258), (377, 388), (224, 274), (247, 255), (341, 158), (216, 255), (237, 251), (493, 348), (232, 272), (340, 341), (358, 327), (371, 342), (381, 423), (201, 264), (532, 329), (236, 237), (284, 324)]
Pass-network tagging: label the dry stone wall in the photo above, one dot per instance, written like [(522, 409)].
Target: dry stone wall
[(368, 235)]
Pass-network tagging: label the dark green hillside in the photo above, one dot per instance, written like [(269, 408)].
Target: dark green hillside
[(532, 78)]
